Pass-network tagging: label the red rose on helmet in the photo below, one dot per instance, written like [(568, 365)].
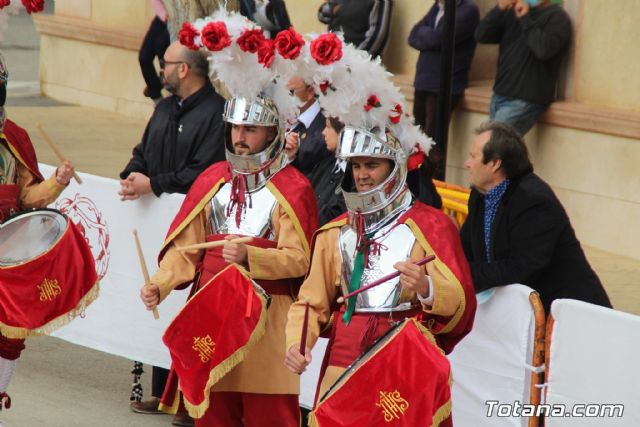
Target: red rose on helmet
[(289, 43), (4, 3), (266, 53), (372, 102), (215, 36), (33, 5), (326, 49), (250, 40), (187, 35)]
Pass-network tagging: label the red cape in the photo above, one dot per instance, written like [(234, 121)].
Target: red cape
[(290, 188), (437, 234), (21, 147)]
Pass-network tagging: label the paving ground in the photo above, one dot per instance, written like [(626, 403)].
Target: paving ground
[(59, 384)]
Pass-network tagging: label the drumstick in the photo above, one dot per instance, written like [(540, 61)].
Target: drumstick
[(305, 324), (208, 245), (56, 150), (143, 267), (381, 280)]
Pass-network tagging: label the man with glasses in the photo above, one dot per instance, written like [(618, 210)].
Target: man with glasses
[(183, 137)]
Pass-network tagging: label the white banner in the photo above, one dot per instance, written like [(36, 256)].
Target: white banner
[(117, 322)]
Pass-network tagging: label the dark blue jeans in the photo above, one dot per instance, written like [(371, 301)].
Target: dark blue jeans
[(520, 114)]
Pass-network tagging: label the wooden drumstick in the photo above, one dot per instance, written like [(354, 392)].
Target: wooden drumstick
[(56, 150), (209, 245), (305, 326), (381, 280), (143, 267)]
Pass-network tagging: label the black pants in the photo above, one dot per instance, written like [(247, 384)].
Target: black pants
[(155, 42), (158, 381), (425, 105)]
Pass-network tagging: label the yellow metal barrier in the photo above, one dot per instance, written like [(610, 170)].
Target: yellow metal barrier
[(454, 200)]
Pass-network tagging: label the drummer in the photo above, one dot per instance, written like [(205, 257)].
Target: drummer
[(385, 229), (253, 193), (21, 187)]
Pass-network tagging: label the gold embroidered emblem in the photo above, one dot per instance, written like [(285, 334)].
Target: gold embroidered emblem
[(393, 405), (205, 347), (49, 290)]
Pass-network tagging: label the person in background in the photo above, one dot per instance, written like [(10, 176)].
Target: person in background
[(426, 37), (364, 23), (534, 39), (517, 230), (271, 15), (154, 44), (327, 175)]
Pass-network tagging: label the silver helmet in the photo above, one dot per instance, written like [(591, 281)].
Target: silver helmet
[(358, 142), (262, 165)]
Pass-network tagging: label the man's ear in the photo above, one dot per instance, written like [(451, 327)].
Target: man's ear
[(184, 71), (496, 165)]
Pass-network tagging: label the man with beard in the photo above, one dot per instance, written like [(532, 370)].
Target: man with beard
[(254, 193), (183, 136)]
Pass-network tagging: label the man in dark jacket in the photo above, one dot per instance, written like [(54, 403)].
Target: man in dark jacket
[(183, 136), (517, 231), (534, 39), (426, 37), (364, 23)]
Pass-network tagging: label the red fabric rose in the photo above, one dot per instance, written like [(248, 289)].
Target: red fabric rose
[(4, 3), (372, 102), (415, 160), (215, 36), (33, 5), (187, 35), (266, 53), (326, 49), (396, 114), (250, 40), (289, 43)]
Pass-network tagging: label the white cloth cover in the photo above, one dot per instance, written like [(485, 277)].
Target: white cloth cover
[(309, 379), (491, 362), (117, 322), (593, 359)]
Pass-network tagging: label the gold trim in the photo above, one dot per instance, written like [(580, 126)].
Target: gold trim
[(194, 212), (292, 215), (441, 414), (448, 274), (173, 409), (198, 410), (55, 324)]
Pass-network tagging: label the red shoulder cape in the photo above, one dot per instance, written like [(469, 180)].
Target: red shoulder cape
[(435, 232), (290, 188), (21, 147)]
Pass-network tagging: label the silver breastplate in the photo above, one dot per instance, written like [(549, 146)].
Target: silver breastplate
[(397, 241), (7, 166), (256, 218)]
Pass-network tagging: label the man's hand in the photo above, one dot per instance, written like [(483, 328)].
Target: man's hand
[(296, 362), (235, 252), (521, 8), (150, 296), (413, 278), (505, 4), (291, 145), (64, 173), (136, 185)]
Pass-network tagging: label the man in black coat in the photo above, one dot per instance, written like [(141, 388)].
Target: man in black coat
[(184, 135), (517, 231)]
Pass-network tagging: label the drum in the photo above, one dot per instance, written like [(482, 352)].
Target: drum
[(47, 273), (214, 332), (402, 380)]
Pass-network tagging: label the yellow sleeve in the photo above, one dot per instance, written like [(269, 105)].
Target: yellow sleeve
[(320, 288), (34, 194), (446, 299), (287, 260), (176, 267)]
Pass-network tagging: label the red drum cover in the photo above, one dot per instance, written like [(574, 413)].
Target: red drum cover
[(212, 334), (402, 380), (39, 294)]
